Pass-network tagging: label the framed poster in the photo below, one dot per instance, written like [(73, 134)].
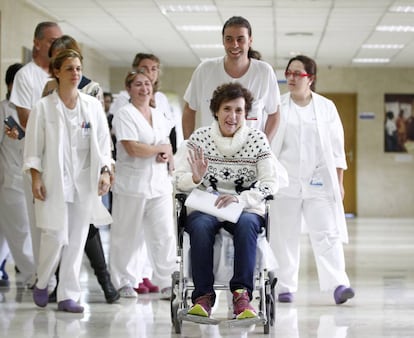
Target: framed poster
[(399, 123)]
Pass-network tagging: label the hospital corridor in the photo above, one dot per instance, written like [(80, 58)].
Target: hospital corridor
[(380, 265)]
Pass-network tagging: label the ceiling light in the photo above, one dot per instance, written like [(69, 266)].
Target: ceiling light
[(371, 60), (199, 28), (207, 46), (402, 29), (299, 34), (402, 9), (188, 8), (383, 46)]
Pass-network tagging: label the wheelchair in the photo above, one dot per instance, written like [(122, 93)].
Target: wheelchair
[(265, 281)]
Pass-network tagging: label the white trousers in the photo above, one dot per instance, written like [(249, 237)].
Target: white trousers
[(138, 220), (53, 250), (14, 227), (286, 219), (34, 231), (144, 267)]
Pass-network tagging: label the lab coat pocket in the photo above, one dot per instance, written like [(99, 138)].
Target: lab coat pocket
[(320, 183), (84, 138)]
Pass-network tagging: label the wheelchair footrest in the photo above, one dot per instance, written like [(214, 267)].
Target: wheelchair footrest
[(243, 322), (183, 315)]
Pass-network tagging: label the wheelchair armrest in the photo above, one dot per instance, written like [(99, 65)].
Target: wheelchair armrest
[(181, 197), (268, 198), (181, 216)]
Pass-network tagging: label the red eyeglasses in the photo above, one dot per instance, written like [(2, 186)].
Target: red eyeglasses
[(296, 74)]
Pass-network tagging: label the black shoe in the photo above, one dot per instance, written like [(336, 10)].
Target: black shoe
[(111, 294), (95, 253)]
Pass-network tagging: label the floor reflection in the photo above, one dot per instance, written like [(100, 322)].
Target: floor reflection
[(379, 259)]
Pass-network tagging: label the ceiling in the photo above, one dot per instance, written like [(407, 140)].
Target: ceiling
[(330, 31)]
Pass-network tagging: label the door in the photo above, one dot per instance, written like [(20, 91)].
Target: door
[(346, 105)]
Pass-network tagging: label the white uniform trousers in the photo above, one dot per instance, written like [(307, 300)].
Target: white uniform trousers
[(34, 231), (4, 250), (144, 267), (14, 226), (54, 250), (137, 219), (318, 213)]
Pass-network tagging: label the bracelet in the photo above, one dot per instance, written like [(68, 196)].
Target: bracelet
[(105, 169)]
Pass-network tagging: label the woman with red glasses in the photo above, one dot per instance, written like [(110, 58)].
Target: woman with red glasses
[(310, 145)]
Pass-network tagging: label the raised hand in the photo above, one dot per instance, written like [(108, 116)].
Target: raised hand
[(197, 163)]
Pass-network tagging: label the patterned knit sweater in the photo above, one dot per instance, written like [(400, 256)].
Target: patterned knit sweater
[(242, 165)]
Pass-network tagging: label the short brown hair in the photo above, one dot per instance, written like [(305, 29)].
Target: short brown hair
[(227, 92)]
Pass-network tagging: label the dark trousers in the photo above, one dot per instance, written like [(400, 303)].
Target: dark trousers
[(202, 229)]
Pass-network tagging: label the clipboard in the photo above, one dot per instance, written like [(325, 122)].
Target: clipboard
[(204, 201)]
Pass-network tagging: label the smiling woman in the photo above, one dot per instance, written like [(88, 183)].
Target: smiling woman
[(67, 147), (235, 161)]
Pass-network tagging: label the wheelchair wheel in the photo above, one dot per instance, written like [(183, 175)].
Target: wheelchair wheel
[(269, 312), (175, 305), (270, 302)]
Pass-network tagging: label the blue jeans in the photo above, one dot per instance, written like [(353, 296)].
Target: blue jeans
[(202, 229)]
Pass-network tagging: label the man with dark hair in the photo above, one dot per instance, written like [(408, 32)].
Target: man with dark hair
[(240, 63)]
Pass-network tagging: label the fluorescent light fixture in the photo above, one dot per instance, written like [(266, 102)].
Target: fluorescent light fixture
[(383, 46), (207, 46), (402, 9), (188, 8), (299, 34), (396, 29), (370, 60), (199, 28)]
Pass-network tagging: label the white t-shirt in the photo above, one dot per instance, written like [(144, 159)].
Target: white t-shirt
[(260, 79), (139, 176), (28, 86)]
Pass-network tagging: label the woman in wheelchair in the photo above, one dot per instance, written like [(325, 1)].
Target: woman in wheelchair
[(236, 163)]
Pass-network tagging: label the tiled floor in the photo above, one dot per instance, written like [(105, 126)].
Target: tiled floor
[(380, 259)]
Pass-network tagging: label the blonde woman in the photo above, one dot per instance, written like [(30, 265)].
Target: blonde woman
[(68, 155), (142, 194)]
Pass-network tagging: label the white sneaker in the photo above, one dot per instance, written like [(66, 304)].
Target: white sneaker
[(166, 293), (127, 292)]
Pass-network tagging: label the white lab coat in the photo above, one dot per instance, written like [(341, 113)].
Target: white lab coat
[(14, 221), (332, 142), (44, 152)]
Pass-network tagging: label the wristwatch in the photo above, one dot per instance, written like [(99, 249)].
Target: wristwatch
[(105, 169)]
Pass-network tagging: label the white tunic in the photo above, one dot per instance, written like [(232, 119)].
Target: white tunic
[(330, 139), (11, 158), (137, 175)]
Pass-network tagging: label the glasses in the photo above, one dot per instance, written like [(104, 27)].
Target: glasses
[(296, 74)]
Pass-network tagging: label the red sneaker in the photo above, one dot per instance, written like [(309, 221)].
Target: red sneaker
[(202, 306), (241, 305), (141, 289), (151, 287)]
